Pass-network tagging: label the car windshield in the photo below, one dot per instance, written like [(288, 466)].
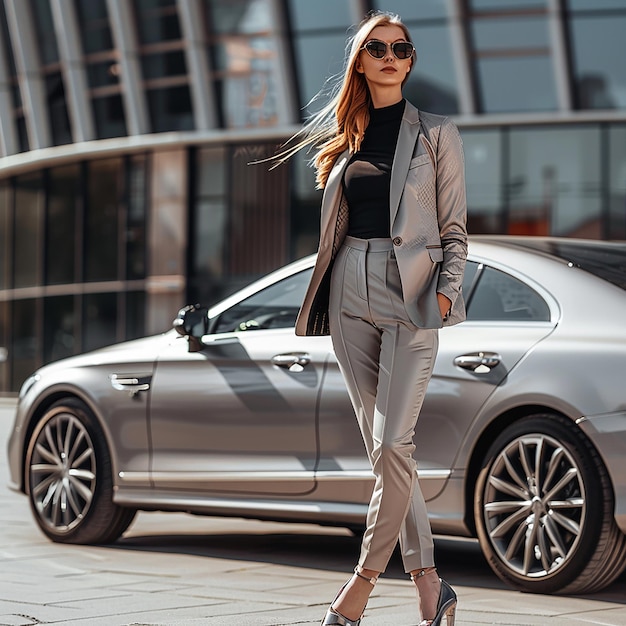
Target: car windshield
[(604, 259)]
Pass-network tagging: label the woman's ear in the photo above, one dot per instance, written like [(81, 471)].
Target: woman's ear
[(359, 67)]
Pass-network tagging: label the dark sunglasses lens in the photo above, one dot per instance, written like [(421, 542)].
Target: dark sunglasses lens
[(376, 48), (402, 50)]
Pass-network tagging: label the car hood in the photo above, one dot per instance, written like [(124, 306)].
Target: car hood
[(137, 351)]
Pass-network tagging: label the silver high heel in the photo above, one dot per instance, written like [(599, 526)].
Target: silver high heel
[(446, 605), (333, 617)]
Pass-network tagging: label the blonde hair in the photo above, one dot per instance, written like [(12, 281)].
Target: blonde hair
[(341, 123)]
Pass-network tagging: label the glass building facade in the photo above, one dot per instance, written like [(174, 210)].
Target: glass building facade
[(133, 133)]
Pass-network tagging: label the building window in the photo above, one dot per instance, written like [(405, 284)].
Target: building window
[(616, 228), (432, 84), (320, 30), (484, 175), (554, 181), (244, 61), (512, 56), (5, 235), (12, 83), (62, 222), (103, 70), (28, 230), (51, 72), (599, 71), (163, 63)]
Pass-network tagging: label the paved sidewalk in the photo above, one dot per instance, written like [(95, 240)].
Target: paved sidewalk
[(176, 569)]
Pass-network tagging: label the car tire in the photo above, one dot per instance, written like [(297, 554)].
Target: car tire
[(69, 478), (543, 468)]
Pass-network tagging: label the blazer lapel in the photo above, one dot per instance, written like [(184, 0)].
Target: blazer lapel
[(409, 131)]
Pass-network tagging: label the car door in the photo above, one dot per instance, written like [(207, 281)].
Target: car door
[(506, 317), (238, 415)]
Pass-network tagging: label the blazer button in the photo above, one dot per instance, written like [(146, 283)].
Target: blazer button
[(397, 241)]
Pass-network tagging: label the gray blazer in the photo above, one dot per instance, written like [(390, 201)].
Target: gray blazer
[(428, 216)]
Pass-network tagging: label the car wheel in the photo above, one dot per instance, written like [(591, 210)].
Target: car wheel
[(69, 479), (544, 509)]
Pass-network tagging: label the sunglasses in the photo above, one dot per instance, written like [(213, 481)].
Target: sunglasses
[(378, 49)]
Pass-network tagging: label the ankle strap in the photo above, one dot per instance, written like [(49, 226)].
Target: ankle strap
[(358, 570), (422, 572)]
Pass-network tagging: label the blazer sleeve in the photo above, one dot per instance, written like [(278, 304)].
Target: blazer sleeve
[(451, 210)]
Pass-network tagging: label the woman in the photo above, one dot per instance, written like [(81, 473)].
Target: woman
[(388, 275)]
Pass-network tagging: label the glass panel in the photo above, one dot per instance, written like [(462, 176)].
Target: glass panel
[(432, 84), (136, 219), (484, 180), (25, 348), (244, 57), (164, 64), (5, 235), (44, 27), (209, 237), (170, 109), (59, 330), (505, 34), (93, 19), (101, 219), (506, 5), (555, 181), (617, 182), (594, 5), (135, 314), (319, 15), (99, 320), (274, 307), (409, 9), (305, 206), (517, 84), (211, 178), (599, 70), (28, 240), (64, 196), (157, 21), (314, 69), (103, 73), (57, 108), (500, 297), (109, 116)]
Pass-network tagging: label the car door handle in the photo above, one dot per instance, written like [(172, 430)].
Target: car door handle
[(479, 362), (292, 361)]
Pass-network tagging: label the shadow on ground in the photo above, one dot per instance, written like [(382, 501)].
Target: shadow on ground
[(459, 561)]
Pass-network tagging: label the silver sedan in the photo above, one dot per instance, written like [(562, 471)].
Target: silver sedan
[(521, 441)]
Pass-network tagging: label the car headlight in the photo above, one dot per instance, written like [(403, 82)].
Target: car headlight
[(28, 383)]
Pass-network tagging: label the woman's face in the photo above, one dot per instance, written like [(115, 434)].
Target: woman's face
[(387, 71)]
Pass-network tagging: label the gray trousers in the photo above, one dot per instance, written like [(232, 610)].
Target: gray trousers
[(386, 362)]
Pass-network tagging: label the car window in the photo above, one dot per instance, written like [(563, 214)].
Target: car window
[(276, 306), (498, 296)]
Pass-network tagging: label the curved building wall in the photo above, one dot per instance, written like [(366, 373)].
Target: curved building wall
[(131, 130)]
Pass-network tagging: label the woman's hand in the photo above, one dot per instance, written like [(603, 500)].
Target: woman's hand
[(444, 305)]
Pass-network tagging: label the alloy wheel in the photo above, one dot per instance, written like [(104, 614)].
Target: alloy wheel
[(534, 505), (62, 472)]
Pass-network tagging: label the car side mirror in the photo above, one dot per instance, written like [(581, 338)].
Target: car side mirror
[(192, 322)]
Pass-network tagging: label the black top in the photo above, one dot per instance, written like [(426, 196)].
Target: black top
[(367, 176)]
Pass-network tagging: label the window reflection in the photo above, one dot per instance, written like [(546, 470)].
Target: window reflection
[(99, 320), (600, 78), (28, 237), (484, 175), (617, 183), (244, 58), (554, 186), (25, 348), (59, 328), (410, 10), (61, 223), (5, 236), (102, 219)]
